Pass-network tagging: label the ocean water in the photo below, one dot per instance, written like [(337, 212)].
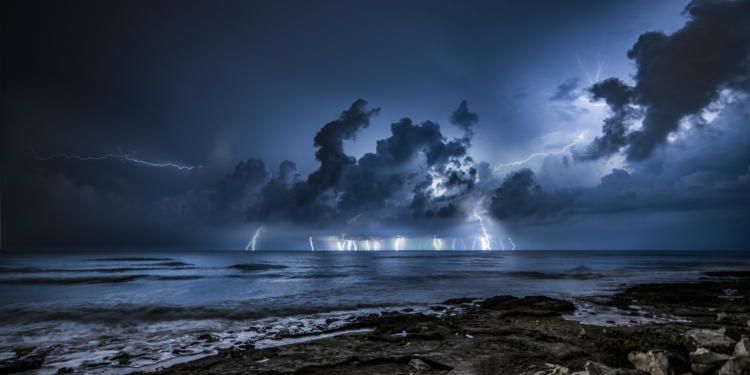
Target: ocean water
[(89, 306)]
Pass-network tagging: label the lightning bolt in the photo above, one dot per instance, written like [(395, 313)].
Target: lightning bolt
[(354, 218), (312, 248), (519, 162), (122, 156), (600, 65), (485, 241), (376, 245), (254, 240), (454, 244), (437, 243), (511, 242), (400, 240), (463, 245)]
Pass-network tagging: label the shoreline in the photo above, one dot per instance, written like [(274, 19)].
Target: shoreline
[(496, 335), (502, 335)]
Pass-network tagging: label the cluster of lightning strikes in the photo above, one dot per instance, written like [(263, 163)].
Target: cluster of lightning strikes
[(254, 241), (399, 242), (120, 155)]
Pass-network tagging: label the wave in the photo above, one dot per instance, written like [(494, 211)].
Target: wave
[(99, 270), (257, 267), (319, 276), (74, 280), (129, 259), (119, 313)]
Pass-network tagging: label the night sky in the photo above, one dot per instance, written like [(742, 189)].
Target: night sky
[(192, 124)]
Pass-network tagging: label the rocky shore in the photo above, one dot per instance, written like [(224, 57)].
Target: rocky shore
[(524, 336)]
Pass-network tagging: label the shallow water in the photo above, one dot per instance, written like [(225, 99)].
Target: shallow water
[(95, 304)]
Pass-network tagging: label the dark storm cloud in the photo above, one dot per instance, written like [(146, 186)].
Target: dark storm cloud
[(618, 96), (521, 197), (247, 178), (330, 142), (377, 183), (567, 91), (679, 75)]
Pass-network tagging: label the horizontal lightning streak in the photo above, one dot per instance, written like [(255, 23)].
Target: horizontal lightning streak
[(122, 156)]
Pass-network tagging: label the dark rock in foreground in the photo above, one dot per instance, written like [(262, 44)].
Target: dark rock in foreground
[(519, 336)]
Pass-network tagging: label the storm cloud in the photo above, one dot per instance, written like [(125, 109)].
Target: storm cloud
[(677, 75)]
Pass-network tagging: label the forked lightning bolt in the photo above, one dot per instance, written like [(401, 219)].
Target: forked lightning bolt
[(519, 162), (252, 243), (484, 241)]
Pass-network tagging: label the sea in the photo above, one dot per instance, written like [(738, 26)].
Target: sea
[(85, 307)]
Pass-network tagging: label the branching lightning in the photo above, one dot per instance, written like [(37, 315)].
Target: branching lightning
[(519, 162), (484, 241), (254, 241), (600, 65), (121, 155)]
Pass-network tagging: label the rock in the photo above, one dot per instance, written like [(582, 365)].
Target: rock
[(748, 323), (122, 358), (700, 369), (742, 349), (707, 357), (596, 368), (64, 370), (735, 366), (26, 359), (733, 333), (458, 301), (708, 339), (659, 362), (579, 373), (560, 371), (582, 334), (419, 365)]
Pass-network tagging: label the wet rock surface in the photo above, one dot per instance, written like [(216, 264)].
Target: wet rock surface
[(510, 335), (24, 359)]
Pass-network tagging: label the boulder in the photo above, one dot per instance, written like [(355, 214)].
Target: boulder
[(742, 349), (707, 357), (708, 339), (560, 371), (659, 362), (735, 366), (419, 365), (596, 368), (733, 333), (699, 369), (722, 316)]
